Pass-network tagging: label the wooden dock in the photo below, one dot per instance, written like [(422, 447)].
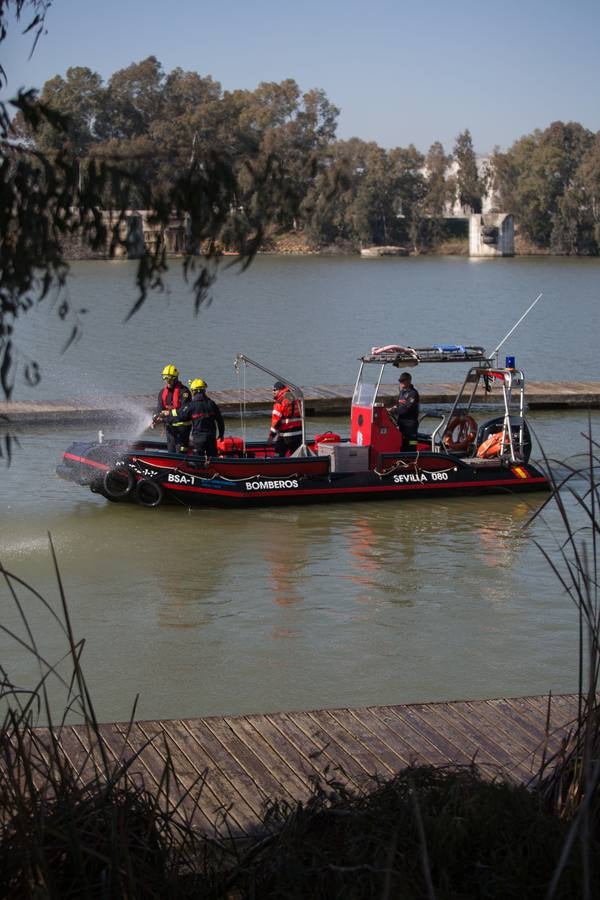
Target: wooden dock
[(232, 765), (320, 400)]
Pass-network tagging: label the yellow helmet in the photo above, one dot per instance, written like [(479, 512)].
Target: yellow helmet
[(198, 384), (170, 372)]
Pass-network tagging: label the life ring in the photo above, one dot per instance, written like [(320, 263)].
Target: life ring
[(148, 493), (117, 483), (460, 432)]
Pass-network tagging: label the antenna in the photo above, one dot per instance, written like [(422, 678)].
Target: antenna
[(516, 325)]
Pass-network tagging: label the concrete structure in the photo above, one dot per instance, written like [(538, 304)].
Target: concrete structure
[(491, 235), (139, 234)]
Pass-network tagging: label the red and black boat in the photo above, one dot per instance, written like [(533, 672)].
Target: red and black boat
[(467, 450)]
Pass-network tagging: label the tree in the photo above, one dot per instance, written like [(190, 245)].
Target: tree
[(47, 195), (78, 97), (134, 99), (589, 177), (502, 180), (409, 189), (539, 180), (566, 146), (372, 210), (277, 123), (470, 188), (191, 112), (438, 191), (326, 208)]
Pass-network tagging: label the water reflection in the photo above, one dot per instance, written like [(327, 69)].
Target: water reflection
[(363, 553), (500, 541)]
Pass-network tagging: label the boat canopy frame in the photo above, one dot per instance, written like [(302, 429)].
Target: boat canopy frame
[(486, 370), (408, 357), (509, 379), (438, 353), (242, 359)]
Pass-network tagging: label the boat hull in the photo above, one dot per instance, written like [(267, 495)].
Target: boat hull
[(149, 475)]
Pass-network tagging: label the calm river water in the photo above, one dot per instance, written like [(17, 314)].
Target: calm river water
[(229, 611)]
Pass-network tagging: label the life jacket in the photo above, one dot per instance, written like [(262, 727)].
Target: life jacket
[(231, 445), (175, 403), (492, 446), (287, 415)]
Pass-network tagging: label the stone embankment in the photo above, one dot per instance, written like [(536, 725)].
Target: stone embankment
[(291, 244)]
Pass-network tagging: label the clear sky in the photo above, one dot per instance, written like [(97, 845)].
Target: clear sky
[(400, 72)]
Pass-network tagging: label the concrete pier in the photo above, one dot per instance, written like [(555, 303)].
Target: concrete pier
[(491, 235), (320, 400)]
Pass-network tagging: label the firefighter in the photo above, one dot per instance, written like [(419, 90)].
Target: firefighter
[(205, 417), (286, 421), (173, 396), (406, 411)]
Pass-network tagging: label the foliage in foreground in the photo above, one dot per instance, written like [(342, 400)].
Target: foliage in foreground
[(51, 195), (101, 839), (425, 833)]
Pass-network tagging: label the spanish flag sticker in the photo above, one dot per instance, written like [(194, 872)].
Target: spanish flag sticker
[(520, 471)]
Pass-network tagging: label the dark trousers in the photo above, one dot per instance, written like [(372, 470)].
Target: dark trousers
[(204, 445), (408, 430), (283, 444), (178, 438)]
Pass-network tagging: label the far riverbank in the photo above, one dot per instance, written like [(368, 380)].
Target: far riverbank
[(299, 244)]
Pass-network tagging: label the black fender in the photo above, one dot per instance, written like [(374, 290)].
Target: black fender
[(117, 483), (149, 493)]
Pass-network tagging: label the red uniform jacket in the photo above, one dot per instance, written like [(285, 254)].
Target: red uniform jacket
[(287, 418)]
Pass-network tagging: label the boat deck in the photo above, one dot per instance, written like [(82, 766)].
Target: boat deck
[(227, 767), (320, 400)]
